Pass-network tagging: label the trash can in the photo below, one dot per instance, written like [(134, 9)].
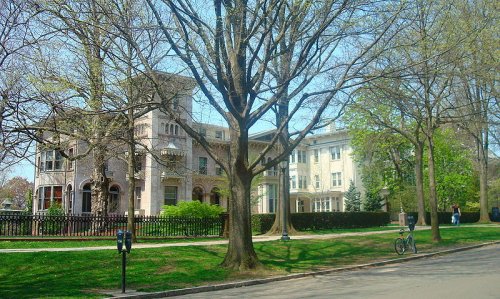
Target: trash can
[(411, 223), (495, 214)]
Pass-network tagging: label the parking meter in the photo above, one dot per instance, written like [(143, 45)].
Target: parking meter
[(411, 223), (128, 241), (119, 240)]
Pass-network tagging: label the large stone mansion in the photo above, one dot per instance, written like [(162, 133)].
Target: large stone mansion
[(321, 169)]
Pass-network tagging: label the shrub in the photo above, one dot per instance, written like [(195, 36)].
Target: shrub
[(445, 217), (261, 223), (192, 209)]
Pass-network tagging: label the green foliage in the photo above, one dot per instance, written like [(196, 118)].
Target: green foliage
[(456, 180), (192, 209), (445, 217), (55, 209), (352, 199), (261, 223), (372, 202)]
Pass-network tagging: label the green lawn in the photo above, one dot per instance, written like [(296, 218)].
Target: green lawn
[(65, 243), (87, 274)]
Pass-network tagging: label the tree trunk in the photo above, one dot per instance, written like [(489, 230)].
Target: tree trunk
[(419, 182), (484, 216), (240, 252), (436, 236), (283, 204), (100, 184), (131, 177)]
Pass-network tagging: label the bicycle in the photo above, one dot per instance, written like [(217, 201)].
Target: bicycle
[(401, 244)]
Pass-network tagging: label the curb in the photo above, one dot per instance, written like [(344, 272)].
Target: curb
[(246, 283)]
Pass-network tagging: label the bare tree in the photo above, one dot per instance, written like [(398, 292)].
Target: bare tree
[(474, 103), (16, 37), (228, 48)]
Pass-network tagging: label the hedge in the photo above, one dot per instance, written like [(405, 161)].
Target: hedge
[(445, 217), (261, 223)]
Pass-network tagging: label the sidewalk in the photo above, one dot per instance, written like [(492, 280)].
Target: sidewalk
[(261, 238)]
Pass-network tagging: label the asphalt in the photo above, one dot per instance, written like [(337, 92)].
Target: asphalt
[(143, 295)]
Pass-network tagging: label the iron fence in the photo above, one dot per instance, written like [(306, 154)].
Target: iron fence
[(40, 225)]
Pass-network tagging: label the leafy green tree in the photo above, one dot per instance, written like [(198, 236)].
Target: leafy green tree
[(372, 202), (352, 199), (456, 179)]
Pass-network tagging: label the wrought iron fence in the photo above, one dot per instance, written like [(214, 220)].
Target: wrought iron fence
[(17, 225)]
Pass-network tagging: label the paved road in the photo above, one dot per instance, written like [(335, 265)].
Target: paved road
[(469, 274)]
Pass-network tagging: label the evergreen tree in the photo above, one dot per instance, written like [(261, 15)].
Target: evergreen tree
[(373, 202), (352, 199)]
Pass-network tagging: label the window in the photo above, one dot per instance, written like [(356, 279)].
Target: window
[(86, 199), (176, 132), (299, 156), (170, 195), (335, 152), (336, 179), (304, 159), (171, 129), (50, 160), (203, 132), (114, 199), (219, 134), (317, 182), (321, 204), (202, 165), (273, 195), (300, 182), (337, 204), (219, 171), (138, 196), (292, 157), (69, 163), (300, 206), (175, 103), (49, 195), (294, 181), (316, 155)]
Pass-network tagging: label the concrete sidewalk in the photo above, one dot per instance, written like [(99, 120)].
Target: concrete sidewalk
[(262, 238)]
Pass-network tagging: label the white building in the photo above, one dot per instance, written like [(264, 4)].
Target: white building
[(321, 169)]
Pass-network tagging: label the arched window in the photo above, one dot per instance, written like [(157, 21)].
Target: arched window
[(86, 199), (114, 199), (171, 129), (176, 130), (198, 194)]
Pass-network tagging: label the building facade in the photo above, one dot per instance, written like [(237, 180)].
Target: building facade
[(321, 169)]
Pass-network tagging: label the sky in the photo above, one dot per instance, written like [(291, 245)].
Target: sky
[(23, 169)]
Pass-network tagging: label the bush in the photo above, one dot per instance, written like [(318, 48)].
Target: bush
[(192, 209), (261, 223), (445, 217)]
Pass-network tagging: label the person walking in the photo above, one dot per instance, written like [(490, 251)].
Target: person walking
[(456, 214)]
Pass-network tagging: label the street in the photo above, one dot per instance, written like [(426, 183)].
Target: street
[(468, 274)]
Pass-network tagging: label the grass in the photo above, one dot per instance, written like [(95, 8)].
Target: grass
[(87, 274), (68, 243)]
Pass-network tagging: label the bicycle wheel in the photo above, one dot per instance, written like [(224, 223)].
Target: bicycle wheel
[(399, 246), (411, 244)]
